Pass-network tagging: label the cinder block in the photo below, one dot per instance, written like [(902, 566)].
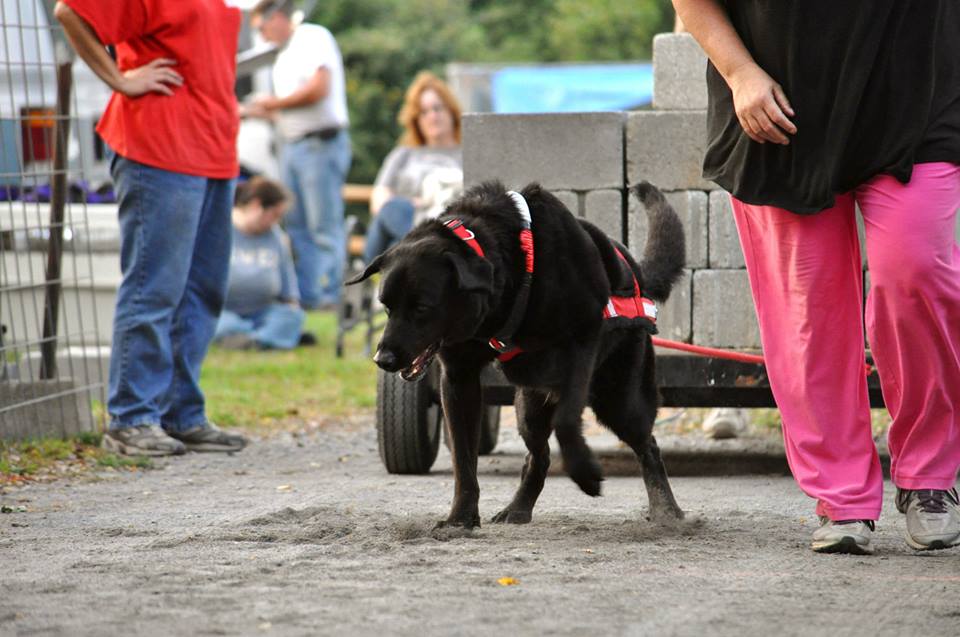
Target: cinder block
[(565, 151), (65, 413), (723, 314), (725, 250), (604, 208), (675, 316), (666, 148), (571, 200), (679, 73), (691, 207)]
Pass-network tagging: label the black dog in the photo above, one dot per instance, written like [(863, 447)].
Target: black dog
[(519, 278)]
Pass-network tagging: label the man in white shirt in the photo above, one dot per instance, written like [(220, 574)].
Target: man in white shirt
[(309, 107)]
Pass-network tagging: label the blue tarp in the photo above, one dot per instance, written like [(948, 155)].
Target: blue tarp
[(576, 88)]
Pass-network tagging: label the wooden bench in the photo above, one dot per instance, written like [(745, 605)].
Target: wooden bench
[(361, 194)]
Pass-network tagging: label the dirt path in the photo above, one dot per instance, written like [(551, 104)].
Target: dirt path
[(306, 536)]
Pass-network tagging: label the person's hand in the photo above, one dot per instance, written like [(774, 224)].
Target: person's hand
[(761, 106), (154, 77), (266, 103), (254, 110)]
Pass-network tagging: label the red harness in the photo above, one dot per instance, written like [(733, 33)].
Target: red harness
[(620, 308)]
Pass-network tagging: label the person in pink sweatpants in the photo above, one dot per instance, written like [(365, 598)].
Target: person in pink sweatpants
[(815, 109)]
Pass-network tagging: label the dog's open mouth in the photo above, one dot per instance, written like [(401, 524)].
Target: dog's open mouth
[(420, 364)]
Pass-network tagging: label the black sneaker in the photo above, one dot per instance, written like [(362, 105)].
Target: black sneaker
[(143, 440), (209, 437), (307, 339), (933, 518)]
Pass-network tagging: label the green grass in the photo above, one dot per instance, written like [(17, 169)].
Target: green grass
[(256, 389), (25, 461)]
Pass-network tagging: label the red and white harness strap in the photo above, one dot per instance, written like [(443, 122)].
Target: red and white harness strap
[(636, 306), (466, 234)]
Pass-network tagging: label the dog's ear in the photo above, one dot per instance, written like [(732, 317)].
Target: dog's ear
[(473, 275), (375, 266)]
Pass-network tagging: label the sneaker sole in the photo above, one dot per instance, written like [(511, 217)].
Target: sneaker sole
[(936, 545), (847, 545), (116, 446)]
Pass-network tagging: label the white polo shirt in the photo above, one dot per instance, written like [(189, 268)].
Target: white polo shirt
[(309, 48)]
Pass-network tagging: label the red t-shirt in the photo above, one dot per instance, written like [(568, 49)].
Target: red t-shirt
[(194, 131)]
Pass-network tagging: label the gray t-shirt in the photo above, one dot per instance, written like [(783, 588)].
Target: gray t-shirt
[(433, 175), (261, 272)]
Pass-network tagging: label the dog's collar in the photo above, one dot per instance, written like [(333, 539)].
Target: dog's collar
[(503, 341)]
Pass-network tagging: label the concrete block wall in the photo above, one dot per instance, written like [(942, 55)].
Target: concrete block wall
[(589, 160)]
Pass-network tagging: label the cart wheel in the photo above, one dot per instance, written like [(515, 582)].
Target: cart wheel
[(489, 429), (408, 423)]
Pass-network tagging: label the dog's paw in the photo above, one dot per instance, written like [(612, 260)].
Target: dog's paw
[(467, 522), (585, 471), (512, 516)]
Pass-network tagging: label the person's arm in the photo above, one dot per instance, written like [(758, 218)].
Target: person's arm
[(289, 291), (154, 77), (384, 185), (313, 90), (379, 196), (760, 103)]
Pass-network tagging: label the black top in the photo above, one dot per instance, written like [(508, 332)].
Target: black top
[(875, 85)]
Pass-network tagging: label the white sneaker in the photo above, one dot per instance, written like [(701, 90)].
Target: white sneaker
[(725, 423), (844, 536), (933, 518)]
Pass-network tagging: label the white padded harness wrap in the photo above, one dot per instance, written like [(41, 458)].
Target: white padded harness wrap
[(522, 207)]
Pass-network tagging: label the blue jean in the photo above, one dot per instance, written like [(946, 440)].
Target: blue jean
[(175, 256), (277, 326), (315, 170), (388, 226)]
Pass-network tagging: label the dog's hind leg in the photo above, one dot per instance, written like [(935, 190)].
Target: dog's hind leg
[(578, 460), (534, 412), (624, 399)]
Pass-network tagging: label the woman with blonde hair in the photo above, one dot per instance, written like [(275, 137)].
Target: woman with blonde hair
[(424, 171)]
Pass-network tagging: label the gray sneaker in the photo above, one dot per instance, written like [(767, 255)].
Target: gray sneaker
[(844, 536), (143, 440), (209, 437), (933, 518)]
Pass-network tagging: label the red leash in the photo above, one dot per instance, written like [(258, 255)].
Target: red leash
[(720, 353)]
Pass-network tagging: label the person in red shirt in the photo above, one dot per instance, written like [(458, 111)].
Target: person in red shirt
[(171, 123)]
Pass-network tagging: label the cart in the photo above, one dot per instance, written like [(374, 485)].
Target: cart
[(410, 420)]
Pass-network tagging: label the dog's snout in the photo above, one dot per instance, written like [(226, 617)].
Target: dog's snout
[(386, 360)]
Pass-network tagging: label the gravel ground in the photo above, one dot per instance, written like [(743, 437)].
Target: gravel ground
[(308, 535)]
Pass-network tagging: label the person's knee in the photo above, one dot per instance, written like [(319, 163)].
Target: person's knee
[(904, 272)]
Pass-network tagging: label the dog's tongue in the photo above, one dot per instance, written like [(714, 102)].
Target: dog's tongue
[(419, 366)]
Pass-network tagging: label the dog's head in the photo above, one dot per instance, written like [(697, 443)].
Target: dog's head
[(435, 291)]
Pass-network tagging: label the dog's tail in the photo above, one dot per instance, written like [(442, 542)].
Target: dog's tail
[(665, 253)]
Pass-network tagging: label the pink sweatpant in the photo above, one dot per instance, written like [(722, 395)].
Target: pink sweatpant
[(805, 275)]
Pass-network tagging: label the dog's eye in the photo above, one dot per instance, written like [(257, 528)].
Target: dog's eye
[(423, 310)]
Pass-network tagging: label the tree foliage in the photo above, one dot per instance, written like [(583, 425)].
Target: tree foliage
[(386, 42)]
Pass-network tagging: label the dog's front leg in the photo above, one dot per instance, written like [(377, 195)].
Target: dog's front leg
[(462, 400)]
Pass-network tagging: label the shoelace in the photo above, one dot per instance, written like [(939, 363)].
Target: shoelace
[(934, 501)]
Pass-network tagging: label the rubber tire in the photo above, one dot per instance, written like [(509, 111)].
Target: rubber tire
[(489, 429), (409, 421)]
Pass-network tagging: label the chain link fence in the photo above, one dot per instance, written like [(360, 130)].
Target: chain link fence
[(59, 241)]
